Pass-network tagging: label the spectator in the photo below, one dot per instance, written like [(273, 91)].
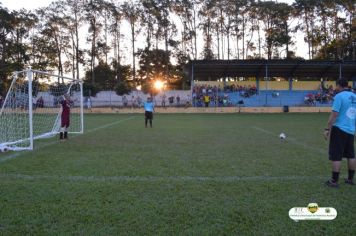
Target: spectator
[(163, 103), (124, 101), (225, 100), (188, 102), (55, 101), (178, 100), (324, 95), (40, 102), (133, 102), (214, 99), (139, 101), (34, 103), (194, 99), (309, 99), (206, 100), (213, 91), (171, 100), (221, 101), (88, 103)]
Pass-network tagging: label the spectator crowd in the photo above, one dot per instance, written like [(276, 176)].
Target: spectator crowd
[(325, 95), (206, 95)]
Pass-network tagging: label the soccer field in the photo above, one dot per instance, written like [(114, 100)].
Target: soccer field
[(196, 174)]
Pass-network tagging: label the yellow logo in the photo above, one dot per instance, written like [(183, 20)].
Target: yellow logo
[(313, 207)]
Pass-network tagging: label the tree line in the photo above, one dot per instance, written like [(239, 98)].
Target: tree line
[(122, 44)]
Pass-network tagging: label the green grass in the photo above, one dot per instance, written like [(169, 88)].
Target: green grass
[(211, 174)]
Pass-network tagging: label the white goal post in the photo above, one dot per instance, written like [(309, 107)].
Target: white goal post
[(32, 108)]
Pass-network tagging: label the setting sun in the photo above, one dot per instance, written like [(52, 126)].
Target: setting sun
[(158, 85)]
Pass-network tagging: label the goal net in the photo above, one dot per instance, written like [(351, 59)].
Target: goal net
[(32, 108)]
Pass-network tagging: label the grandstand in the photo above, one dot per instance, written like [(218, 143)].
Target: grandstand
[(277, 82)]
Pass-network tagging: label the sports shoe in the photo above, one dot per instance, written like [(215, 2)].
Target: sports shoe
[(331, 183), (349, 181)]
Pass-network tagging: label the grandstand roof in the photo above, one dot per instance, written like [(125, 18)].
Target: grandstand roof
[(215, 69)]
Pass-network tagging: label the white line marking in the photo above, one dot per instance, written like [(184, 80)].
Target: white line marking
[(293, 140), (158, 178), (17, 154), (263, 130), (111, 124)]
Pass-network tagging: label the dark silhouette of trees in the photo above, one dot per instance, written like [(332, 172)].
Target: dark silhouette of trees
[(136, 41)]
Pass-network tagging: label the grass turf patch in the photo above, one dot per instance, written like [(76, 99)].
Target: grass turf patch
[(190, 174)]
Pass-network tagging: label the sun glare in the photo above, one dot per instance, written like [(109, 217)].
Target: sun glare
[(158, 85)]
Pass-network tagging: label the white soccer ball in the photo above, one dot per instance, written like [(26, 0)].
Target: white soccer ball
[(282, 136), (4, 149)]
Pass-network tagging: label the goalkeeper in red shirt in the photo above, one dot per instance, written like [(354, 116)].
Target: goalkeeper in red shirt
[(65, 117)]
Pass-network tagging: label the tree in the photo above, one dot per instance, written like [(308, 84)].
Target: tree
[(166, 29), (74, 9), (6, 28), (149, 20), (306, 11), (276, 26), (239, 10), (123, 74), (54, 31), (23, 24), (15, 38), (131, 14), (104, 76), (349, 7), (267, 14), (49, 38), (92, 14), (115, 29), (188, 12), (284, 27), (155, 65), (208, 14)]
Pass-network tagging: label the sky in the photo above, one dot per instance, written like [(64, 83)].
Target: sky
[(27, 4)]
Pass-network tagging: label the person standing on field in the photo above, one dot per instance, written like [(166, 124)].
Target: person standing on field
[(65, 117), (341, 131), (149, 109)]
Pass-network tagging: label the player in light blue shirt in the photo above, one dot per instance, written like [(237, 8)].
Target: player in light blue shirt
[(149, 109), (341, 130), (345, 105)]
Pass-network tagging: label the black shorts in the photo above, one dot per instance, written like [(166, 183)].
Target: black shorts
[(149, 115), (341, 145)]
